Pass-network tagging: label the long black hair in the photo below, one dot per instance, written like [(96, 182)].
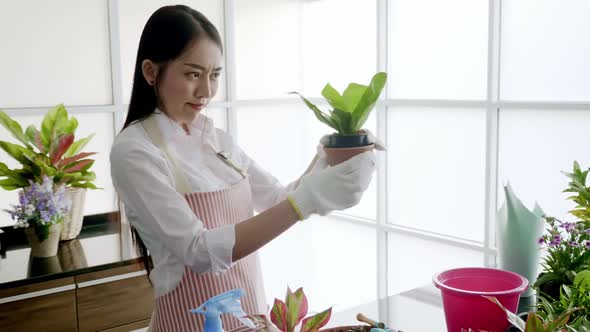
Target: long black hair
[(166, 35)]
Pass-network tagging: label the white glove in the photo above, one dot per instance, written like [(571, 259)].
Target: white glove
[(334, 188), (379, 145)]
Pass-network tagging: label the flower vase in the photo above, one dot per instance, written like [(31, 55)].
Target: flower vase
[(44, 247), (72, 224)]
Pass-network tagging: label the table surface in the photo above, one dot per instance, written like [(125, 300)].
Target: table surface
[(101, 245), (416, 310)]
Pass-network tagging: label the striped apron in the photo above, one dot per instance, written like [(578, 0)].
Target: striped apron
[(214, 209)]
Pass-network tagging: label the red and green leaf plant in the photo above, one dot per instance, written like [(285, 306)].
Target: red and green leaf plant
[(51, 151), (287, 315)]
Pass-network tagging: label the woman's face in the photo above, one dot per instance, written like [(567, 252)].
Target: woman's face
[(190, 81)]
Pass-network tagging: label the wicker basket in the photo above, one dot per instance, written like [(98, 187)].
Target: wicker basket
[(73, 219)]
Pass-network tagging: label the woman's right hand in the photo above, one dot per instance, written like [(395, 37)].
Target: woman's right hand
[(334, 188)]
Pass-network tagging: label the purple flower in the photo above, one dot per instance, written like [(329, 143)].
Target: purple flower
[(587, 231), (568, 226), (541, 240), (573, 244), (556, 240), (587, 244)]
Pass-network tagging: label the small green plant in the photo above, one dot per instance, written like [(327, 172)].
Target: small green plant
[(352, 108), (567, 243), (50, 151), (575, 296), (286, 315), (536, 323)]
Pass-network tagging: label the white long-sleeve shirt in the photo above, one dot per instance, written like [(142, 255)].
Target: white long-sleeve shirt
[(170, 230)]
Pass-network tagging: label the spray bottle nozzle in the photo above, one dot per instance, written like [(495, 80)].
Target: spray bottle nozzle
[(227, 302)]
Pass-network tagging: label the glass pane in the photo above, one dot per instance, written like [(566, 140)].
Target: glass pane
[(293, 137), (541, 61), (338, 52), (267, 59), (439, 53), (413, 261), (133, 14), (54, 52), (312, 264), (436, 170), (534, 147), (273, 135), (367, 208), (101, 124)]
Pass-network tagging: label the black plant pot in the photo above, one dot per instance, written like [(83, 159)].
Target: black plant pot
[(348, 141)]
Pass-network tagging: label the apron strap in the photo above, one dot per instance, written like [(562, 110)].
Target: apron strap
[(180, 181)]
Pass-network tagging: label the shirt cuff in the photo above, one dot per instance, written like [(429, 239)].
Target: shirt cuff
[(220, 245)]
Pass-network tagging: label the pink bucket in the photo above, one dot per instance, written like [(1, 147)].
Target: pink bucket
[(464, 305)]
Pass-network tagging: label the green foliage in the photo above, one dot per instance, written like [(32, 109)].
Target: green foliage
[(50, 151), (568, 243), (537, 323), (286, 315), (572, 297), (352, 108), (577, 185)]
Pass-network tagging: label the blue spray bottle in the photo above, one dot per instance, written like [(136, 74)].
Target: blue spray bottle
[(227, 302)]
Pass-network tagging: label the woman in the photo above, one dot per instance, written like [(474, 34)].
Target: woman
[(189, 192)]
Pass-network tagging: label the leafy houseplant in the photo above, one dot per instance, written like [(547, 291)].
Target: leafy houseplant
[(350, 112), (40, 211), (574, 296), (50, 151), (535, 323), (286, 315), (568, 243)]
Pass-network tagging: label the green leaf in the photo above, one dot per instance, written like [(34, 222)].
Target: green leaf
[(34, 137), (14, 128), (534, 324), (77, 146), (353, 95), (344, 122), (296, 307), (368, 100), (48, 126), (315, 322), (318, 113), (13, 183), (278, 315), (333, 97), (582, 279), (17, 152), (71, 126), (512, 318)]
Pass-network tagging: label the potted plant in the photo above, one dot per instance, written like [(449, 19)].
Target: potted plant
[(286, 315), (50, 151), (41, 209), (350, 112), (567, 243)]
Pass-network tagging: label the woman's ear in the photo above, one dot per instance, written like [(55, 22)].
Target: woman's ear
[(150, 71)]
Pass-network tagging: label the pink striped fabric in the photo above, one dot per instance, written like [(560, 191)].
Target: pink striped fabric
[(215, 209)]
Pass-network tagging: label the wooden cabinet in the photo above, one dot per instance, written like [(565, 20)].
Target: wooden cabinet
[(47, 306), (114, 300)]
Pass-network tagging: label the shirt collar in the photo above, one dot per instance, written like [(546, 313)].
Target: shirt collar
[(201, 125)]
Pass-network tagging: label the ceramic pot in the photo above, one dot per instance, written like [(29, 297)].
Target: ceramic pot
[(339, 148), (47, 247)]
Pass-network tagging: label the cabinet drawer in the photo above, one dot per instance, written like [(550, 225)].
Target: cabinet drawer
[(113, 300), (53, 312)]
